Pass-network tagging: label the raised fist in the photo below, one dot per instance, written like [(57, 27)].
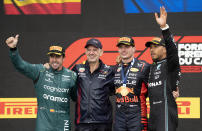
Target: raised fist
[(46, 65)]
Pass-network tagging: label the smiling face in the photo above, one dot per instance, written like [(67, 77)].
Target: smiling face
[(126, 51), (157, 52), (93, 54), (56, 61)]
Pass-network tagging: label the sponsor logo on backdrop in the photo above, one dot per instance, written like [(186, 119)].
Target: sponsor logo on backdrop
[(188, 107), (190, 57), (18, 107)]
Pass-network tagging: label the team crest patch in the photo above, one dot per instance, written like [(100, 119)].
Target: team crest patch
[(119, 69), (52, 110), (158, 67), (104, 72), (81, 69), (134, 69)]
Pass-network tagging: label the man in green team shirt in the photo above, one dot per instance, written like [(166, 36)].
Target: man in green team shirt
[(54, 87)]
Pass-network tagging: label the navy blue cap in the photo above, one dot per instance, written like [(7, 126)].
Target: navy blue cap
[(94, 42)]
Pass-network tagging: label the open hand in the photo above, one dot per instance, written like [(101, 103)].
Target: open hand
[(163, 17)]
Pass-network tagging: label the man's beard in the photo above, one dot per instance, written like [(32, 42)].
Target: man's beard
[(57, 68)]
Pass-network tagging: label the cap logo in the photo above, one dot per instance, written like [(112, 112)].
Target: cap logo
[(94, 41), (156, 39), (58, 48), (125, 39)]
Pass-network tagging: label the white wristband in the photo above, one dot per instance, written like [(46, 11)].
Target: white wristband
[(165, 28)]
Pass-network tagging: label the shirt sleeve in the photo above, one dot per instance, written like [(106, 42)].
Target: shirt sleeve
[(110, 78), (172, 59), (73, 91), (171, 50)]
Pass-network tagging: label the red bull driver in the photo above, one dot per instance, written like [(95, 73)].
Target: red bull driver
[(130, 81)]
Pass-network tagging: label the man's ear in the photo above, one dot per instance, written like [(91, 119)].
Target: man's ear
[(134, 49), (85, 51), (101, 52), (164, 50)]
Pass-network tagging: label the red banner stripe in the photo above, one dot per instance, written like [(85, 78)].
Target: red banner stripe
[(40, 9), (10, 9)]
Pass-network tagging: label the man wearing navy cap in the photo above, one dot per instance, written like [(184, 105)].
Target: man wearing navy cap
[(163, 79), (54, 87), (95, 85)]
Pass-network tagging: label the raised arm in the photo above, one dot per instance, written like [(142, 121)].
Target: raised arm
[(171, 49), (29, 70)]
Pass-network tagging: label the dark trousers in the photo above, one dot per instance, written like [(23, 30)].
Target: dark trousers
[(160, 120), (94, 127), (128, 119)]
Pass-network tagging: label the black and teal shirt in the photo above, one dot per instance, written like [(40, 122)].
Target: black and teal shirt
[(164, 78), (53, 89)]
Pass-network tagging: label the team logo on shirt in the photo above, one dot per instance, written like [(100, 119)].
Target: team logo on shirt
[(104, 72), (52, 110), (134, 69), (124, 91), (65, 78), (153, 84), (81, 69), (139, 64), (158, 67)]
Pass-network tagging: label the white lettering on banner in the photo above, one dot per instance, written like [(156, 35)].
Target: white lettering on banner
[(53, 98), (190, 53), (54, 89), (66, 125), (158, 83), (190, 46)]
